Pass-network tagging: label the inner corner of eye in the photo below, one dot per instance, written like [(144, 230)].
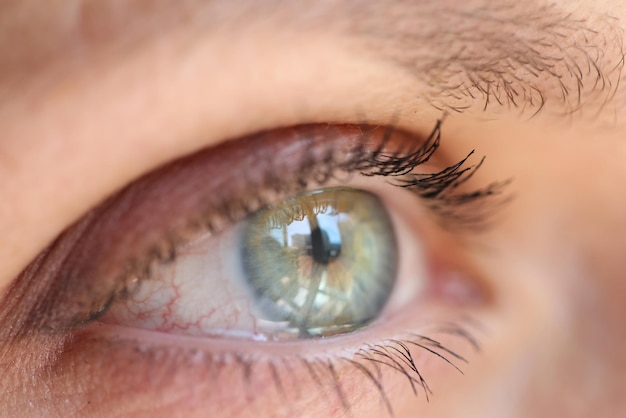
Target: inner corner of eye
[(318, 264)]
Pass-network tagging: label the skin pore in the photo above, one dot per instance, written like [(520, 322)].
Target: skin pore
[(94, 95)]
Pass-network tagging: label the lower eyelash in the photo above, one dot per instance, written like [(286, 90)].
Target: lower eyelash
[(372, 361)]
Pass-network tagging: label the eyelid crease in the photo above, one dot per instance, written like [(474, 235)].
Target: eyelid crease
[(208, 191)]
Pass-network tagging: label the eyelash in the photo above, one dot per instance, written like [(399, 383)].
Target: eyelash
[(370, 360), (440, 191), (396, 355)]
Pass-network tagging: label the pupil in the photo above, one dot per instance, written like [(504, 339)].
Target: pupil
[(325, 243)]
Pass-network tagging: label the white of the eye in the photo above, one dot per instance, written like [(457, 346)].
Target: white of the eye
[(413, 271), (199, 294)]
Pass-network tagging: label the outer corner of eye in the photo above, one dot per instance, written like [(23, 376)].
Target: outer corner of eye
[(433, 264)]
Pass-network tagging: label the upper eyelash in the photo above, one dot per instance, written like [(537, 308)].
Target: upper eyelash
[(388, 355), (439, 190)]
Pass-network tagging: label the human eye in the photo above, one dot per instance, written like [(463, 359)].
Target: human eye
[(296, 271)]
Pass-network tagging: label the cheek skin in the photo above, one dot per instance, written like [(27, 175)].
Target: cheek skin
[(560, 251)]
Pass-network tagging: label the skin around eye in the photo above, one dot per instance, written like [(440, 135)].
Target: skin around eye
[(418, 333)]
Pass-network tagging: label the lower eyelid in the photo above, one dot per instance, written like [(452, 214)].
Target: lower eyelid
[(326, 375)]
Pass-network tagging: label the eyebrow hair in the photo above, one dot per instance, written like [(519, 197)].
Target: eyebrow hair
[(514, 54)]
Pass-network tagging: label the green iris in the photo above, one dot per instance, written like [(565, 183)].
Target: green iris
[(320, 263)]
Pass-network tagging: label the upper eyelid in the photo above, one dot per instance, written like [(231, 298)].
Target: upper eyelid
[(309, 153)]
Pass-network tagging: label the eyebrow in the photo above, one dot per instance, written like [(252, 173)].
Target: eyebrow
[(513, 54)]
